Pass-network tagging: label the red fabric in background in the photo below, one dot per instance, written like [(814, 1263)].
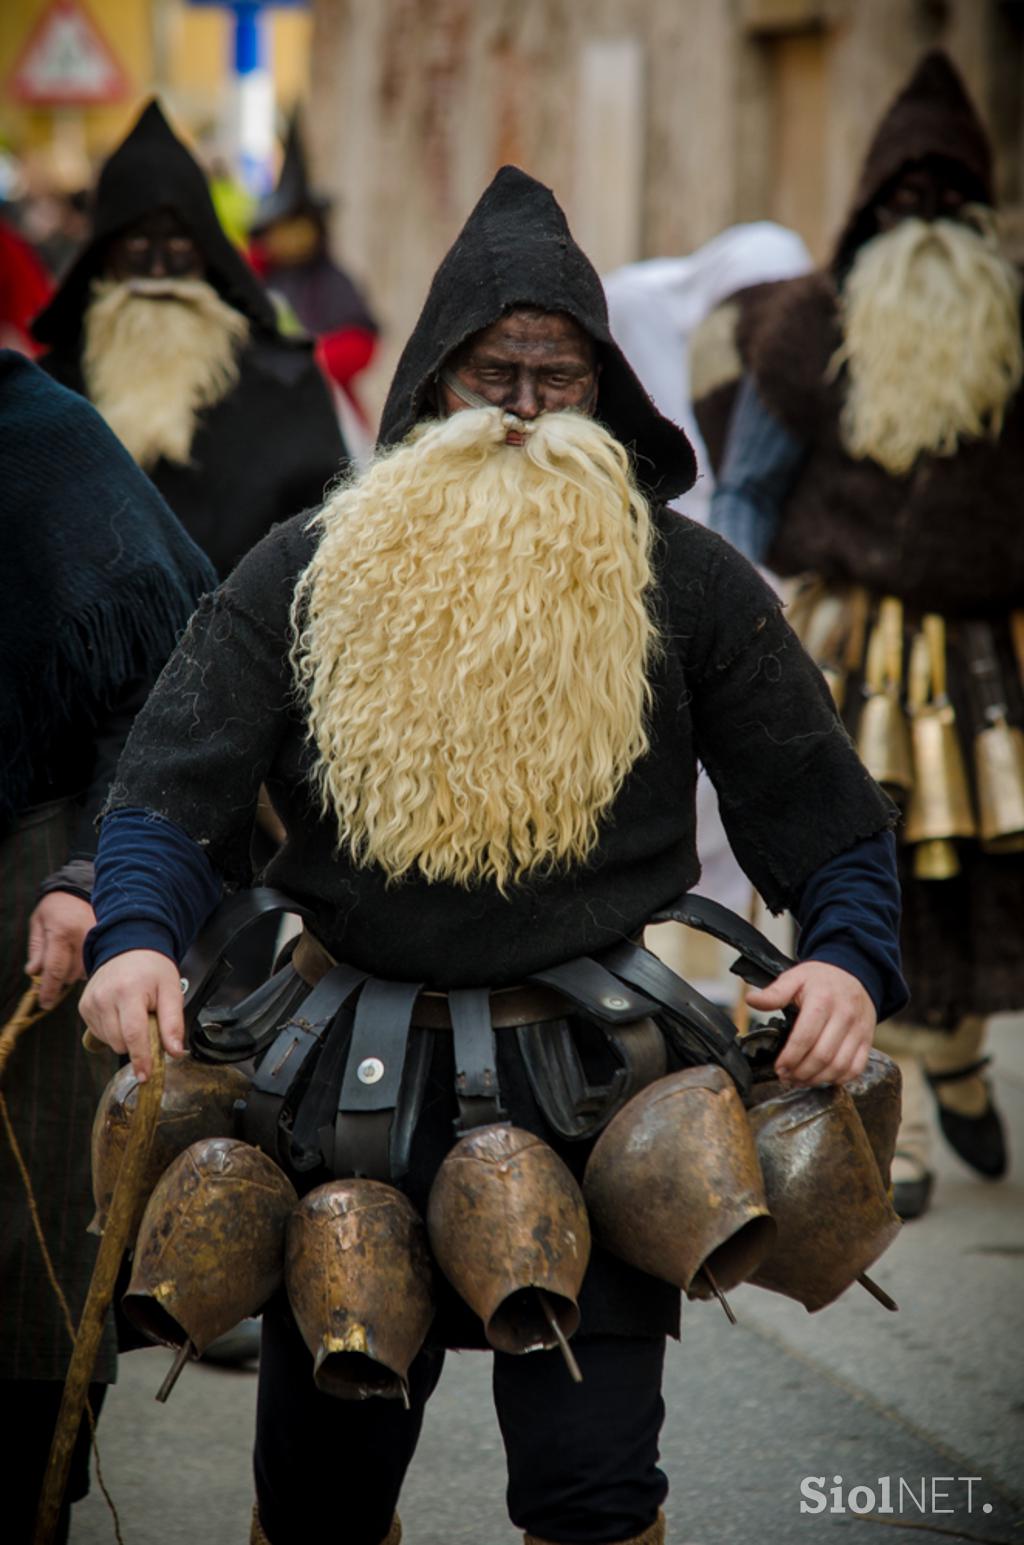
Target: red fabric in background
[(24, 289), (342, 354)]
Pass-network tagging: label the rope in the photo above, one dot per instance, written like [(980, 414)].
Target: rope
[(25, 1015)]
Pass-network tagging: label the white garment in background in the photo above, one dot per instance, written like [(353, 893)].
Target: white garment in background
[(654, 308)]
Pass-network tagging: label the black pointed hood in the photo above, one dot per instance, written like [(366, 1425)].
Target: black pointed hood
[(293, 194), (151, 169), (516, 250), (932, 116)]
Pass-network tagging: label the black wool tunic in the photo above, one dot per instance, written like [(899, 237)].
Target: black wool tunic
[(732, 690)]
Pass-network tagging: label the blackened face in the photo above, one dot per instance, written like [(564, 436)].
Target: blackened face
[(931, 189), (156, 247), (529, 362)]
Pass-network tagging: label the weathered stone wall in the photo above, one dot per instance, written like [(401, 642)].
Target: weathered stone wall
[(657, 122)]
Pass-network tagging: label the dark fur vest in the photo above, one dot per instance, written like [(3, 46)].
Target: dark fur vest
[(946, 537)]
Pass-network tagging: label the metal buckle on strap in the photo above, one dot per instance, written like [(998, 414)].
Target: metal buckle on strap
[(280, 1072), (476, 1075)]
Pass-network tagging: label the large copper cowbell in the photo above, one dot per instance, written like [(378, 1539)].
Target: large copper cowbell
[(210, 1250), (825, 1192), (876, 1094), (358, 1274), (197, 1101), (506, 1218), (674, 1185)]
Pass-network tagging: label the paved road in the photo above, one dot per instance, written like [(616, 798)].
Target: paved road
[(922, 1398)]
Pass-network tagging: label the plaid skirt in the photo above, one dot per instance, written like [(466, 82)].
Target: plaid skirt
[(51, 1087)]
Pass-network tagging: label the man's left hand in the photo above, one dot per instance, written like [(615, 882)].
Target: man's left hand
[(831, 1038), (56, 933)]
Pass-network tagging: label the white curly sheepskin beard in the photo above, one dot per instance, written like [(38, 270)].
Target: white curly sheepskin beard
[(157, 352), (931, 341), (472, 640)]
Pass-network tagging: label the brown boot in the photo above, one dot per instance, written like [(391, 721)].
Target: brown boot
[(258, 1537), (655, 1535)]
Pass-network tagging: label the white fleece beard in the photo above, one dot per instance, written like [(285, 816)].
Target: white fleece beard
[(157, 352), (932, 342), (472, 644)]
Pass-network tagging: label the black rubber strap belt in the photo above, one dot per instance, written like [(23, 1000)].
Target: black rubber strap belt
[(387, 1065), (282, 1068), (366, 1127), (208, 961), (524, 1005), (706, 1031)]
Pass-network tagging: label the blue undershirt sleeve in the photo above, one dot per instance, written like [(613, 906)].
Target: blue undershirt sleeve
[(849, 916), (155, 888), (760, 465)]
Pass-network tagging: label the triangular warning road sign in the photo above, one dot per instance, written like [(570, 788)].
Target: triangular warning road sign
[(67, 62)]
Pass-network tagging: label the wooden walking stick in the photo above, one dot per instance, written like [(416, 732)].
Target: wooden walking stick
[(101, 1291)]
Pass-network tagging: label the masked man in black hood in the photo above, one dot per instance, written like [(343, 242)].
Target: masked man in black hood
[(477, 686), (100, 581), (877, 444), (161, 323)]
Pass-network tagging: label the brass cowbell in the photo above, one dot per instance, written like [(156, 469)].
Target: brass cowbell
[(940, 803), (999, 747), (883, 739), (999, 769)]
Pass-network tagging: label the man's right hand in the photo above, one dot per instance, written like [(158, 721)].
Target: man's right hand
[(120, 997)]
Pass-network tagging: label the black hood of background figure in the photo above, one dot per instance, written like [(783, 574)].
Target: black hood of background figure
[(151, 170), (516, 250)]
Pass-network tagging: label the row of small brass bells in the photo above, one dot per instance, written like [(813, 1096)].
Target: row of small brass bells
[(211, 1245), (674, 1187), (197, 1101), (940, 807)]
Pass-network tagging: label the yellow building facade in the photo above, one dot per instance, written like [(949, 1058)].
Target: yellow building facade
[(182, 52)]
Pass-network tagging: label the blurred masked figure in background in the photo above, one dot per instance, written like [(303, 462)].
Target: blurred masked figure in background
[(867, 427), (290, 252), (161, 323), (656, 308)]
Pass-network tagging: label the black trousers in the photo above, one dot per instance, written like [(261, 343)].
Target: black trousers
[(28, 1416), (582, 1458)]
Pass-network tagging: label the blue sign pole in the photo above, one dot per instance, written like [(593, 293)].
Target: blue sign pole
[(253, 105), (255, 98)]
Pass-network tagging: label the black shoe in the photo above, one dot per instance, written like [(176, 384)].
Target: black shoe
[(912, 1198), (979, 1140)]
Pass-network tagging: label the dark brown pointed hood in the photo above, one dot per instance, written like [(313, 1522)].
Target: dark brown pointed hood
[(516, 250), (932, 116)]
